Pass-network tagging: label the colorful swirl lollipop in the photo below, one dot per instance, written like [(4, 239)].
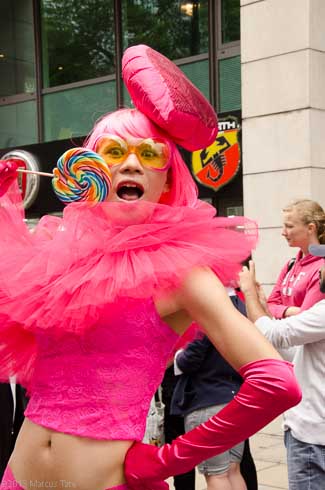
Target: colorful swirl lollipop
[(81, 175)]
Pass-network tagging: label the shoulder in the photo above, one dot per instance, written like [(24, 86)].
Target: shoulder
[(200, 292), (196, 282), (200, 282), (311, 263)]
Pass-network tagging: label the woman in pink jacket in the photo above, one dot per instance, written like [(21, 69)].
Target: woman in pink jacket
[(297, 287)]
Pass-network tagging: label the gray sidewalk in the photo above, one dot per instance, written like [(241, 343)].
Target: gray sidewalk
[(270, 459), (269, 454)]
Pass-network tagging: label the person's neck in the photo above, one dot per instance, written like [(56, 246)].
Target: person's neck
[(305, 250)]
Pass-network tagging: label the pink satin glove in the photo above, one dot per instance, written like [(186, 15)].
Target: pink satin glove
[(269, 389), (8, 173), (151, 485)]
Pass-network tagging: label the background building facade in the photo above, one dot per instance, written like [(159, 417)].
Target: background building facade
[(61, 69), (262, 61), (283, 110)]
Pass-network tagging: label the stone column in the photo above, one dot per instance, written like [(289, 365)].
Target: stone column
[(283, 108)]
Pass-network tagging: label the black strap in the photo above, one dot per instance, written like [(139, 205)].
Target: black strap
[(291, 264)]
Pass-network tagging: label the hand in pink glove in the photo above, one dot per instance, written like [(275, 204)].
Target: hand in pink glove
[(269, 389), (8, 173)]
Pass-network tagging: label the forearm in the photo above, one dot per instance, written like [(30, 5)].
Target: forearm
[(269, 388), (254, 307), (290, 311), (276, 310), (255, 299)]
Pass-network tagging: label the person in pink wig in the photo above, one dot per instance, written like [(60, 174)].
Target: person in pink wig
[(92, 304)]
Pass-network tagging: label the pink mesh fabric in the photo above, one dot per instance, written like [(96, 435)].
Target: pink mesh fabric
[(100, 385), (59, 279), (100, 253)]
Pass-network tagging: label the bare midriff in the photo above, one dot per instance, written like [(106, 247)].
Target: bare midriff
[(43, 458)]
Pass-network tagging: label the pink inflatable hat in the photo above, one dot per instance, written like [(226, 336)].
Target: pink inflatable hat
[(160, 90)]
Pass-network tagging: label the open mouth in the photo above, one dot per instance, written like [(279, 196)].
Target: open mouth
[(129, 191)]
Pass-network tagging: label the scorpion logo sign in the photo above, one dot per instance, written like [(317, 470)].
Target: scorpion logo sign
[(217, 165)]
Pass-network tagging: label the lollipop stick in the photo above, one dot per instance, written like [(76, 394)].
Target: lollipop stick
[(24, 171)]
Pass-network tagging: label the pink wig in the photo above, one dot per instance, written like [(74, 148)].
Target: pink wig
[(132, 123)]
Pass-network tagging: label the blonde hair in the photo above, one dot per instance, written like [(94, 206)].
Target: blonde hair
[(309, 212)]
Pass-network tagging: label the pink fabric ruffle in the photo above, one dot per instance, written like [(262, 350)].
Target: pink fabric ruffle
[(102, 252), (61, 276)]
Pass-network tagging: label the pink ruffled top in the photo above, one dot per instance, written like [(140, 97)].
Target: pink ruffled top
[(100, 384), (78, 325)]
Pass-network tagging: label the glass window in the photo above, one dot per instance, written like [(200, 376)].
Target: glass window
[(174, 28), (230, 21), (78, 40), (17, 63), (198, 73), (73, 112), (18, 124), (127, 102), (230, 84)]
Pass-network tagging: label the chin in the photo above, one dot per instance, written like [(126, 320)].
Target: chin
[(117, 198)]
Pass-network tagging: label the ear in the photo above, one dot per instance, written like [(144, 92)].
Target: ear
[(312, 228), (168, 183), (166, 188), (164, 198)]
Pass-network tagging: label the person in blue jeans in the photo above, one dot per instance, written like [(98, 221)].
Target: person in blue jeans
[(301, 339)]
